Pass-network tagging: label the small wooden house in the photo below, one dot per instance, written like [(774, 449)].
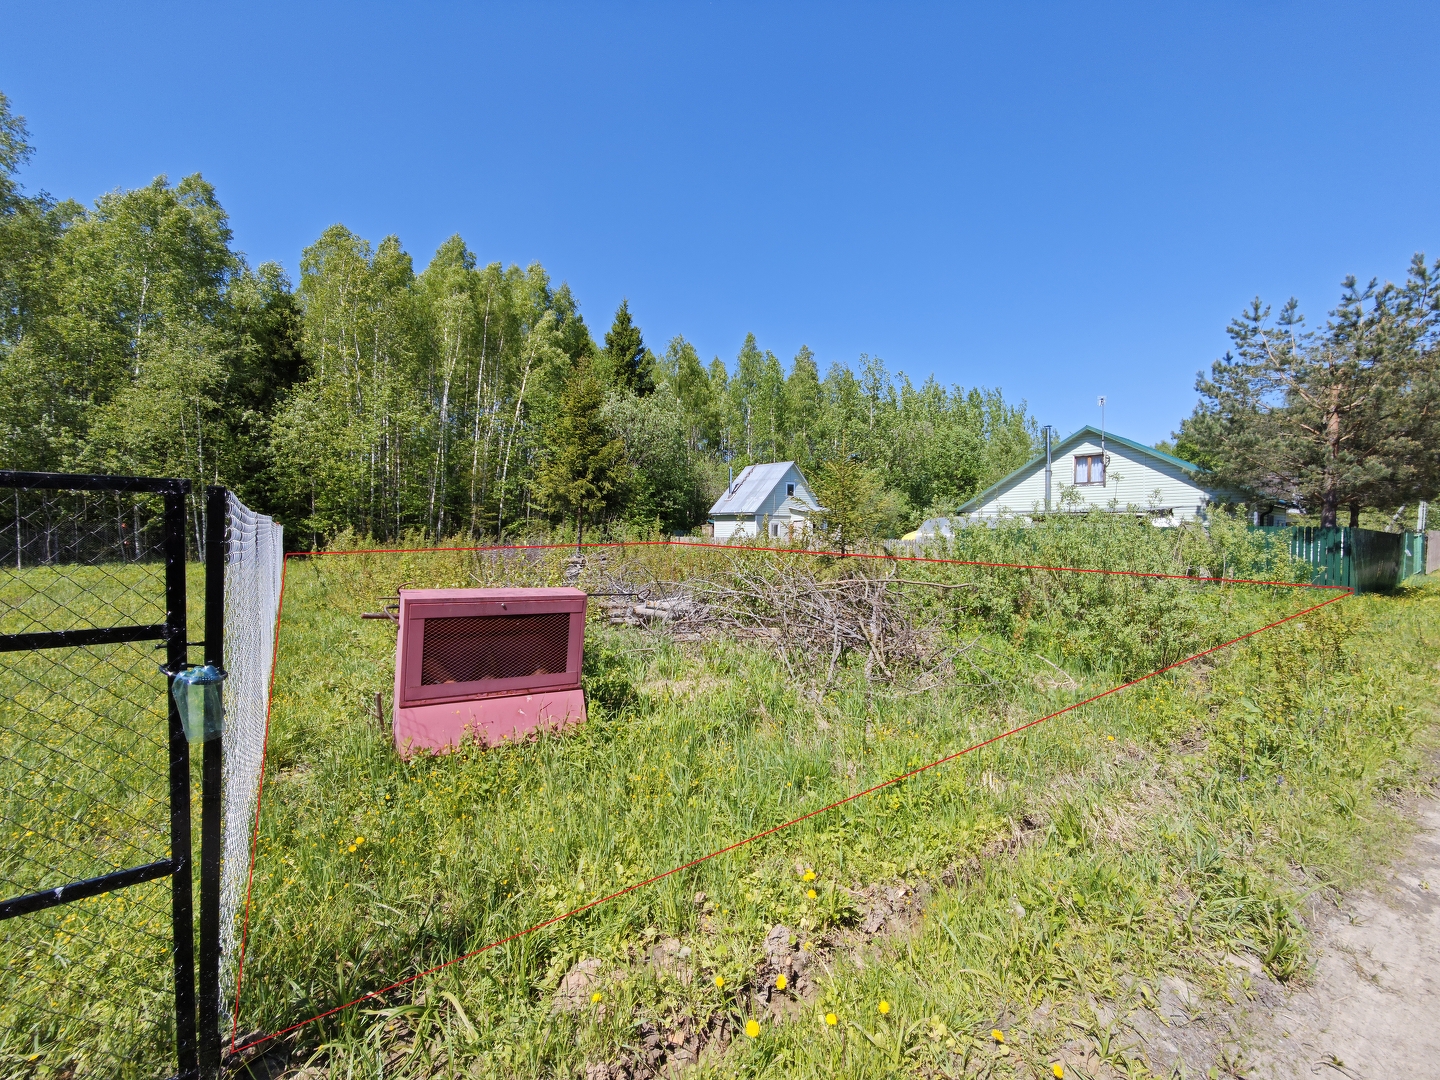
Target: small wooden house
[(771, 501), (1092, 470)]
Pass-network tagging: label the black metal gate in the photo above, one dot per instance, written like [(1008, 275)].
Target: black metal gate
[(97, 924)]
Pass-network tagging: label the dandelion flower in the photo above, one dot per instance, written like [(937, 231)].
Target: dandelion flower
[(719, 982), (809, 875), (596, 998), (1112, 739), (359, 840), (884, 1008), (350, 848), (997, 1035), (831, 1019), (752, 1029), (781, 982), (808, 892), (1058, 1071)]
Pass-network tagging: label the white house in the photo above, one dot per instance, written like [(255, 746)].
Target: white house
[(765, 500), (1091, 470)]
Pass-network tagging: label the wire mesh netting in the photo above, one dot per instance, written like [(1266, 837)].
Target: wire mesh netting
[(254, 560), (469, 649), (88, 986)]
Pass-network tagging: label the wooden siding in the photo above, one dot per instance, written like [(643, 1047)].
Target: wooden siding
[(1132, 480)]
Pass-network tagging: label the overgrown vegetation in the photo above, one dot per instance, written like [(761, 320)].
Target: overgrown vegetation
[(1075, 864)]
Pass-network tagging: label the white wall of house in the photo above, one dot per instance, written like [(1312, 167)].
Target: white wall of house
[(1132, 479), (783, 499), (729, 527)]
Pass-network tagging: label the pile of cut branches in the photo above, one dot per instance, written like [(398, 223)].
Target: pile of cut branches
[(813, 615)]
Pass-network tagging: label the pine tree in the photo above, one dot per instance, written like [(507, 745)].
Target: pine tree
[(1329, 418)]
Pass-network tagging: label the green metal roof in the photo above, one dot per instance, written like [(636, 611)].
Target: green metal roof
[(1087, 430)]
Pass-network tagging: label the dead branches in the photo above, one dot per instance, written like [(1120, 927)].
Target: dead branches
[(812, 615)]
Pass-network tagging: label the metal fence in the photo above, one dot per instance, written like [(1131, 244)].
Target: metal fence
[(97, 917), (96, 941), (1361, 559)]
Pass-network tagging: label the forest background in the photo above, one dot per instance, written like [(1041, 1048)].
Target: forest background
[(463, 400), (473, 401)]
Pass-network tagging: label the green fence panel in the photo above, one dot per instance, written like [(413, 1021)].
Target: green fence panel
[(1362, 559), (1413, 562)]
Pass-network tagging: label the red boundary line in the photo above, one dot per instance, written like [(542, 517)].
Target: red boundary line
[(255, 838)]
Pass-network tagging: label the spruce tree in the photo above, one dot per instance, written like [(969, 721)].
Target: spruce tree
[(627, 360), (586, 462)]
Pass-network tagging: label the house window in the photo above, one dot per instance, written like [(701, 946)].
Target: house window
[(1089, 469), (789, 490), (774, 528)]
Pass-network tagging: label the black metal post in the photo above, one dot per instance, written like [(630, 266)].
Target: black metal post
[(216, 514), (182, 903)]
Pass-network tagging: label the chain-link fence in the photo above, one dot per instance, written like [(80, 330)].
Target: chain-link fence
[(96, 920)]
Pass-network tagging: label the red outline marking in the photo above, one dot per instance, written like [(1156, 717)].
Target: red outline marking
[(1344, 592)]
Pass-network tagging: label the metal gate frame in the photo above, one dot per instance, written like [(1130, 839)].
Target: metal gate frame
[(195, 1057)]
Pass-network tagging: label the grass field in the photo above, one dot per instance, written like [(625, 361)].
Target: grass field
[(1152, 832), (1016, 888), (84, 790)]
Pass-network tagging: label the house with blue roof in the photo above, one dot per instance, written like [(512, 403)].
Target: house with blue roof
[(1098, 470), (771, 501)]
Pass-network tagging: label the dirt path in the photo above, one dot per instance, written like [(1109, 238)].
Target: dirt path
[(1373, 1007)]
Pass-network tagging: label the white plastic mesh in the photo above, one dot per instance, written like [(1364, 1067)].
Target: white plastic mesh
[(255, 556)]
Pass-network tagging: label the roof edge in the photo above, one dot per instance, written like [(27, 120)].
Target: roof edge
[(1088, 429)]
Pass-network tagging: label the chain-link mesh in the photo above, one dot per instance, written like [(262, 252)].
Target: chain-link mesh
[(255, 555), (86, 988)]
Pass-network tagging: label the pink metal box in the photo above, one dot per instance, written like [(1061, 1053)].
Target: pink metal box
[(492, 664)]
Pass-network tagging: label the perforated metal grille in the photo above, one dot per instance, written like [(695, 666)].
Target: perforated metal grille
[(477, 648)]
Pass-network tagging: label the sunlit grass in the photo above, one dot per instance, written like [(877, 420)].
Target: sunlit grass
[(1140, 863)]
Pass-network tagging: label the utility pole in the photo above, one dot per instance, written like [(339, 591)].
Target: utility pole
[(1104, 459), (1048, 465)]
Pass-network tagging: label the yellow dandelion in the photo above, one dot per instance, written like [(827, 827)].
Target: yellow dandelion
[(809, 875), (719, 982), (1112, 739), (359, 840), (596, 998), (831, 1019), (810, 893), (350, 848), (884, 1008), (997, 1035), (752, 1029), (1058, 1071), (781, 982)]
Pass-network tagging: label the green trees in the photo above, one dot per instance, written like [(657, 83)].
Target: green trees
[(626, 360), (584, 462), (454, 399), (1345, 416)]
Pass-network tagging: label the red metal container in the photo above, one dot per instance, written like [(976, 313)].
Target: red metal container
[(491, 664)]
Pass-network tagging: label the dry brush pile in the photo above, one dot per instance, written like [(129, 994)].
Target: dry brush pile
[(817, 615)]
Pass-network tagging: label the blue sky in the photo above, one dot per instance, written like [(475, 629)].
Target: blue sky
[(1060, 200)]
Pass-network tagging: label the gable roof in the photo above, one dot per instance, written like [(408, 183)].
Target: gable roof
[(1077, 436), (753, 486)]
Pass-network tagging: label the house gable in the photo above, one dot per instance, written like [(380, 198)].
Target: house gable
[(1138, 476)]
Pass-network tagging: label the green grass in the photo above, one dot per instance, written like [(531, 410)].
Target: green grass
[(84, 790), (1180, 820), (1149, 833)]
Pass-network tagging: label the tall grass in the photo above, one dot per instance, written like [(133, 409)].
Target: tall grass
[(1148, 833), (372, 869)]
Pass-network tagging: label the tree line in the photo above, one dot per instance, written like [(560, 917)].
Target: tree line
[(457, 400)]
